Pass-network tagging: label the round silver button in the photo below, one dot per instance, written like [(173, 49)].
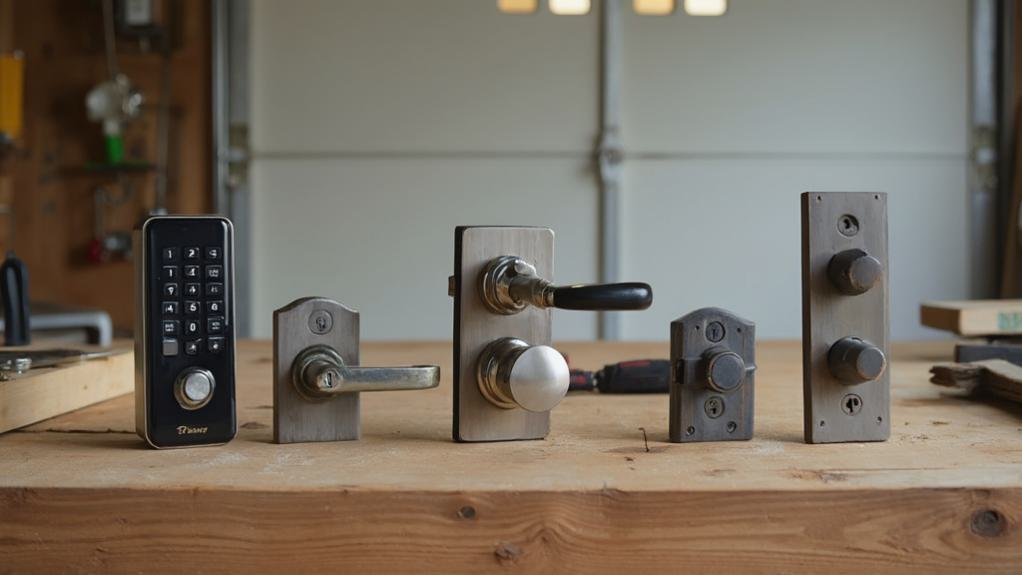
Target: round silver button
[(511, 373), (194, 388)]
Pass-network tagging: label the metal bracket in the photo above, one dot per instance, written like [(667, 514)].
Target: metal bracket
[(845, 317), (317, 379), (713, 377)]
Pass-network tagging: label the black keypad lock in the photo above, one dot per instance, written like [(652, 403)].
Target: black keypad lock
[(184, 331)]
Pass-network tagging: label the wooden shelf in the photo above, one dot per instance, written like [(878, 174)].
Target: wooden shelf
[(80, 492)]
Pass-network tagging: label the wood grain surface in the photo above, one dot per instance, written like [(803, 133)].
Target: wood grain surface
[(604, 492)]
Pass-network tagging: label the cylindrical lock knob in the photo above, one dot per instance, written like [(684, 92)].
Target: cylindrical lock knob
[(194, 388), (853, 360), (725, 371), (511, 373), (854, 272)]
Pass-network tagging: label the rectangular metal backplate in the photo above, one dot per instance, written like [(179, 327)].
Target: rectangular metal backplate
[(828, 315), (296, 327), (698, 412), (475, 418)]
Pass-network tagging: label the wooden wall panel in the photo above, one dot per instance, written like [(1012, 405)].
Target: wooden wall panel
[(53, 196)]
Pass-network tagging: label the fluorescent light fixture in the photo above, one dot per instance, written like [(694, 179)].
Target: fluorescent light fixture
[(517, 6), (570, 7), (705, 7), (653, 7)]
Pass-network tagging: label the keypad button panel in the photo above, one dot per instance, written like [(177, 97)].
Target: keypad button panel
[(199, 319)]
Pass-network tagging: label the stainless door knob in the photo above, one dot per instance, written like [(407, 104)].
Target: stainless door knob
[(319, 372), (508, 284), (194, 388), (853, 360), (511, 373)]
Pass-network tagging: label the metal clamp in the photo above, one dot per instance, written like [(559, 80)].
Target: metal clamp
[(317, 379)]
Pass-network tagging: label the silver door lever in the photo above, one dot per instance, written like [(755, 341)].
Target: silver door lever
[(320, 372)]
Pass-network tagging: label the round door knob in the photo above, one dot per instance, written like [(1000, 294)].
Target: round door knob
[(194, 388), (854, 272), (511, 373), (853, 360), (725, 371)]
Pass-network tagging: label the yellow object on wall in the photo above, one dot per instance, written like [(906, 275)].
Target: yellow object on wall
[(12, 82)]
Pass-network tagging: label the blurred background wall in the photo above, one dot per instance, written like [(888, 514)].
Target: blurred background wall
[(378, 125)]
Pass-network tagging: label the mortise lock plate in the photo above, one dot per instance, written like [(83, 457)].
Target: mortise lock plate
[(845, 317), (713, 367), (507, 378), (316, 373)]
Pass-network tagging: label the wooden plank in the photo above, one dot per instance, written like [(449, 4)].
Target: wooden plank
[(944, 494), (974, 318), (601, 531), (44, 393)]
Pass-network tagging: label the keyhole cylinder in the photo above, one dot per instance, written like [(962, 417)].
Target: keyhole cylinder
[(853, 360)]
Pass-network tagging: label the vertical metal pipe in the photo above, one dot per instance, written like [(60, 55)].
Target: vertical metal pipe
[(609, 157), (983, 176), (220, 70)]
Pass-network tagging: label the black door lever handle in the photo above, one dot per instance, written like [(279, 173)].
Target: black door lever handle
[(508, 284), (604, 297)]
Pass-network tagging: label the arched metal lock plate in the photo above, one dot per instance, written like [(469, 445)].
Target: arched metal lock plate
[(316, 373), (476, 327), (713, 377), (845, 298)]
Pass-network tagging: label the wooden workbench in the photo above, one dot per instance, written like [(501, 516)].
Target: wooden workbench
[(80, 492)]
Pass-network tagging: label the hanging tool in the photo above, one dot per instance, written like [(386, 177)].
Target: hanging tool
[(14, 292)]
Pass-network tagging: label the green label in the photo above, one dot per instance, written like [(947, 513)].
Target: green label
[(1009, 321)]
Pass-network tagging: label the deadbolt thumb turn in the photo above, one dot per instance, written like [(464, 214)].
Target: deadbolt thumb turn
[(317, 376)]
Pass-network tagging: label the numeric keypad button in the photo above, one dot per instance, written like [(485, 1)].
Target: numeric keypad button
[(191, 253), (169, 254), (214, 289), (191, 327), (170, 289), (192, 308), (169, 308), (215, 345), (214, 325), (213, 253), (193, 290), (170, 272), (214, 272), (169, 327), (192, 346), (191, 272), (215, 307)]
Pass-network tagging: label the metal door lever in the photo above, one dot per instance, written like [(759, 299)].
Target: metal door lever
[(508, 284), (317, 376), (320, 372)]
